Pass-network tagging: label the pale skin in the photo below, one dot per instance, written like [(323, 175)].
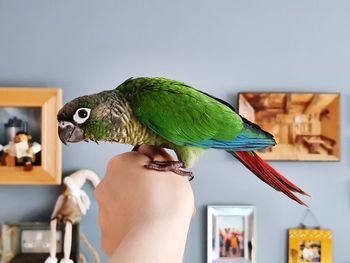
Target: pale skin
[(144, 215)]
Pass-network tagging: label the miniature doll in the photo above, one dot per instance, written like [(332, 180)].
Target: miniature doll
[(70, 206), (23, 149)]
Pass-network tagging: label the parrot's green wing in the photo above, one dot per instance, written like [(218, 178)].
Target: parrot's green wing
[(179, 113)]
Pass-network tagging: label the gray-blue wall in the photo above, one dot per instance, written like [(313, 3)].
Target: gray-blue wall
[(219, 46)]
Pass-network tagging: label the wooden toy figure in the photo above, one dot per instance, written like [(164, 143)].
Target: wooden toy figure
[(21, 149), (70, 207)]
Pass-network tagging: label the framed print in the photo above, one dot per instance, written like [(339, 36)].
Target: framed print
[(30, 150), (306, 126), (310, 245), (231, 234)]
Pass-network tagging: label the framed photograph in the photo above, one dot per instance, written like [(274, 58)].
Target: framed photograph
[(30, 150), (310, 245), (231, 234), (306, 126)]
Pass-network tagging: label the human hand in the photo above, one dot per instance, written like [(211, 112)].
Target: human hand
[(144, 214)]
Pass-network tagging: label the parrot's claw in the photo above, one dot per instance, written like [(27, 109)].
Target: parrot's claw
[(173, 166)]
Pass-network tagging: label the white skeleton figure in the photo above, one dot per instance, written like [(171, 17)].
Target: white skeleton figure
[(70, 207)]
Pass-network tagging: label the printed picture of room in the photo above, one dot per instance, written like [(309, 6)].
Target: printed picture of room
[(305, 125)]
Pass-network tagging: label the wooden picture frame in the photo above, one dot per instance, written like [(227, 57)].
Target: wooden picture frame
[(45, 103), (306, 126), (310, 245)]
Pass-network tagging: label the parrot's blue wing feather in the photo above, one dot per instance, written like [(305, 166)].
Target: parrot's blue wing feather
[(241, 143), (250, 139)]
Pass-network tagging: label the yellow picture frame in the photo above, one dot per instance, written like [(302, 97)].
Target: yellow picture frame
[(49, 101), (310, 245)]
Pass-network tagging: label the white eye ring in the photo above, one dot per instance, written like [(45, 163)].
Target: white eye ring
[(81, 115)]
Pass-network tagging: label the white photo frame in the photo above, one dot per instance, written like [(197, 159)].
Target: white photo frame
[(231, 234)]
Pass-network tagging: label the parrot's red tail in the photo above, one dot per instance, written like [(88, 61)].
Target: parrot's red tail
[(269, 175)]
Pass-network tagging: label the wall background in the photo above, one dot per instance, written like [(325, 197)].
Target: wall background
[(221, 47)]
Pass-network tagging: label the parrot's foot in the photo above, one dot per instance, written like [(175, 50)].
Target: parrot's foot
[(66, 261), (51, 260), (173, 166)]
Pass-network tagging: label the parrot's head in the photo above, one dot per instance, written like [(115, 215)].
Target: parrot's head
[(84, 119)]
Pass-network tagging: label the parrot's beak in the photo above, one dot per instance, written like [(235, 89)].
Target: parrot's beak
[(69, 133)]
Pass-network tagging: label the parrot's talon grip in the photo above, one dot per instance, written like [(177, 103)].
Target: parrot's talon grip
[(173, 166)]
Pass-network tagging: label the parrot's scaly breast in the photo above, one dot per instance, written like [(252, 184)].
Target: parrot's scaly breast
[(132, 131)]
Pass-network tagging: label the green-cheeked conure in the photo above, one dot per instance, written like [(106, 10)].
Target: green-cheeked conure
[(170, 114)]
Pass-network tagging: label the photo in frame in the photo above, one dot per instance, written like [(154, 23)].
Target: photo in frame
[(14, 122), (30, 150), (231, 234), (310, 245), (306, 126)]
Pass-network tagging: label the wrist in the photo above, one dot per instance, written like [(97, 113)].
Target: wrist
[(154, 241)]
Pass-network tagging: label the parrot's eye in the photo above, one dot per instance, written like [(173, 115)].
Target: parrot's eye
[(81, 115)]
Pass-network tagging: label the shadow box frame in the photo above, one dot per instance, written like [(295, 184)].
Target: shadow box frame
[(338, 127), (49, 100)]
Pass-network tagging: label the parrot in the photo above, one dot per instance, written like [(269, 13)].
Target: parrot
[(166, 113)]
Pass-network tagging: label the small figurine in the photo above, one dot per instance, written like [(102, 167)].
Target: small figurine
[(23, 149), (70, 207)]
